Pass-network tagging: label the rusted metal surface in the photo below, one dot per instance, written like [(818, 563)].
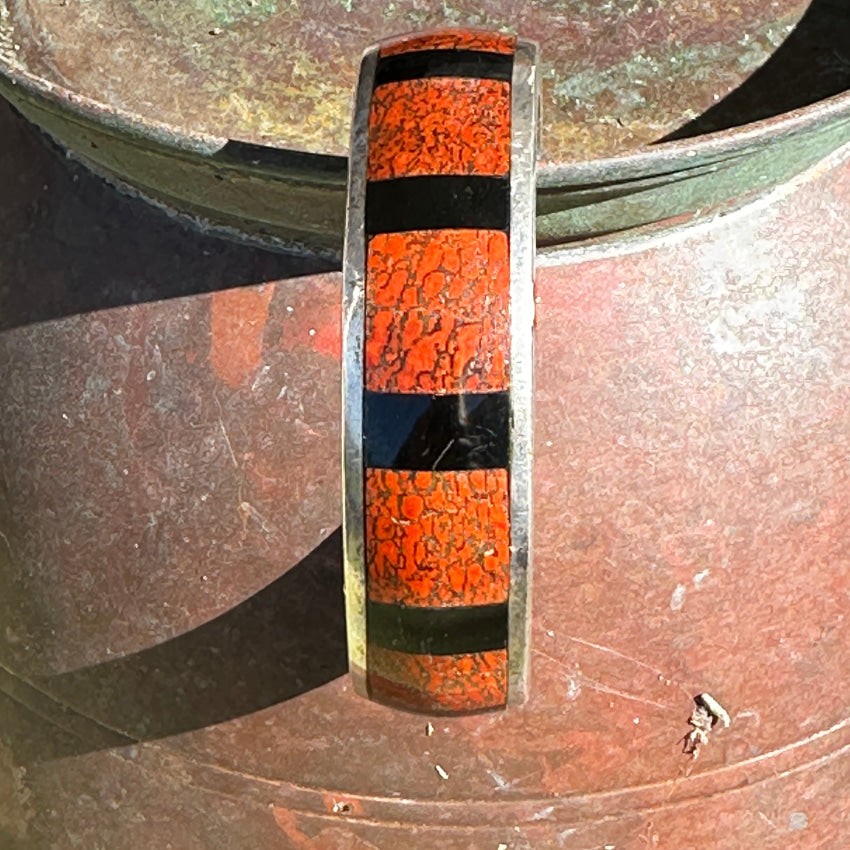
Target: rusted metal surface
[(194, 123), (172, 647)]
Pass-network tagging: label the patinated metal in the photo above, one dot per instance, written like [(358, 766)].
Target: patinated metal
[(172, 638), (619, 78), (616, 75)]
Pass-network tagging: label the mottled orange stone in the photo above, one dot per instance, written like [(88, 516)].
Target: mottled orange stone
[(451, 39), (472, 681), (437, 311), (443, 125), (437, 539)]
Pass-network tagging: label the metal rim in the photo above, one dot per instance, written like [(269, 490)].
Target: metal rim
[(656, 185)]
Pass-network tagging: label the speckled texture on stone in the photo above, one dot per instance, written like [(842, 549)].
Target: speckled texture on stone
[(437, 538), (437, 311), (473, 681), (447, 125), (450, 39)]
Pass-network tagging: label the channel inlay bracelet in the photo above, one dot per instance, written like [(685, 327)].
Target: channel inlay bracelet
[(437, 383)]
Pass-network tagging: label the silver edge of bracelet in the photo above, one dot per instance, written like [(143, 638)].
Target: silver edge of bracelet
[(354, 279), (525, 99)]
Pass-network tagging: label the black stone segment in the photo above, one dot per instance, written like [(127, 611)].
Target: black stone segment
[(436, 202), (437, 631), (419, 64), (424, 432)]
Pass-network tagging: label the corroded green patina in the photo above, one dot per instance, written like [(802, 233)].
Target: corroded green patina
[(237, 113), (615, 75)]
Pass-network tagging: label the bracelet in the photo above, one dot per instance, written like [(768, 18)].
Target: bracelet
[(437, 370)]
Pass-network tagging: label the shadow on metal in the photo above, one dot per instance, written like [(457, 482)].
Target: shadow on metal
[(112, 249), (812, 64), (284, 641), (698, 169), (259, 157)]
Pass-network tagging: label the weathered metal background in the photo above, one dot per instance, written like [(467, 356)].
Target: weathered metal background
[(172, 660), (616, 74), (238, 113)]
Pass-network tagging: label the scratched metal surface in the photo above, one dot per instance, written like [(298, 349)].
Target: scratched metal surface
[(172, 660)]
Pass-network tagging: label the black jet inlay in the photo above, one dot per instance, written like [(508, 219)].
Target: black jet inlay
[(438, 631), (423, 432), (419, 64), (437, 202)]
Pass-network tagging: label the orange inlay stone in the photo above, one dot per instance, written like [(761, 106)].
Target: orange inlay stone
[(443, 125), (437, 317), (452, 39), (439, 683), (437, 539)]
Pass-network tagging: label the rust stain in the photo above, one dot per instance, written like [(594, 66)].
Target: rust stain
[(341, 805), (288, 822), (237, 320), (328, 838), (315, 324), (328, 339)]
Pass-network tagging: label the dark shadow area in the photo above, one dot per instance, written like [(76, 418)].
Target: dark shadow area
[(813, 63), (71, 243), (284, 641), (334, 168)]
